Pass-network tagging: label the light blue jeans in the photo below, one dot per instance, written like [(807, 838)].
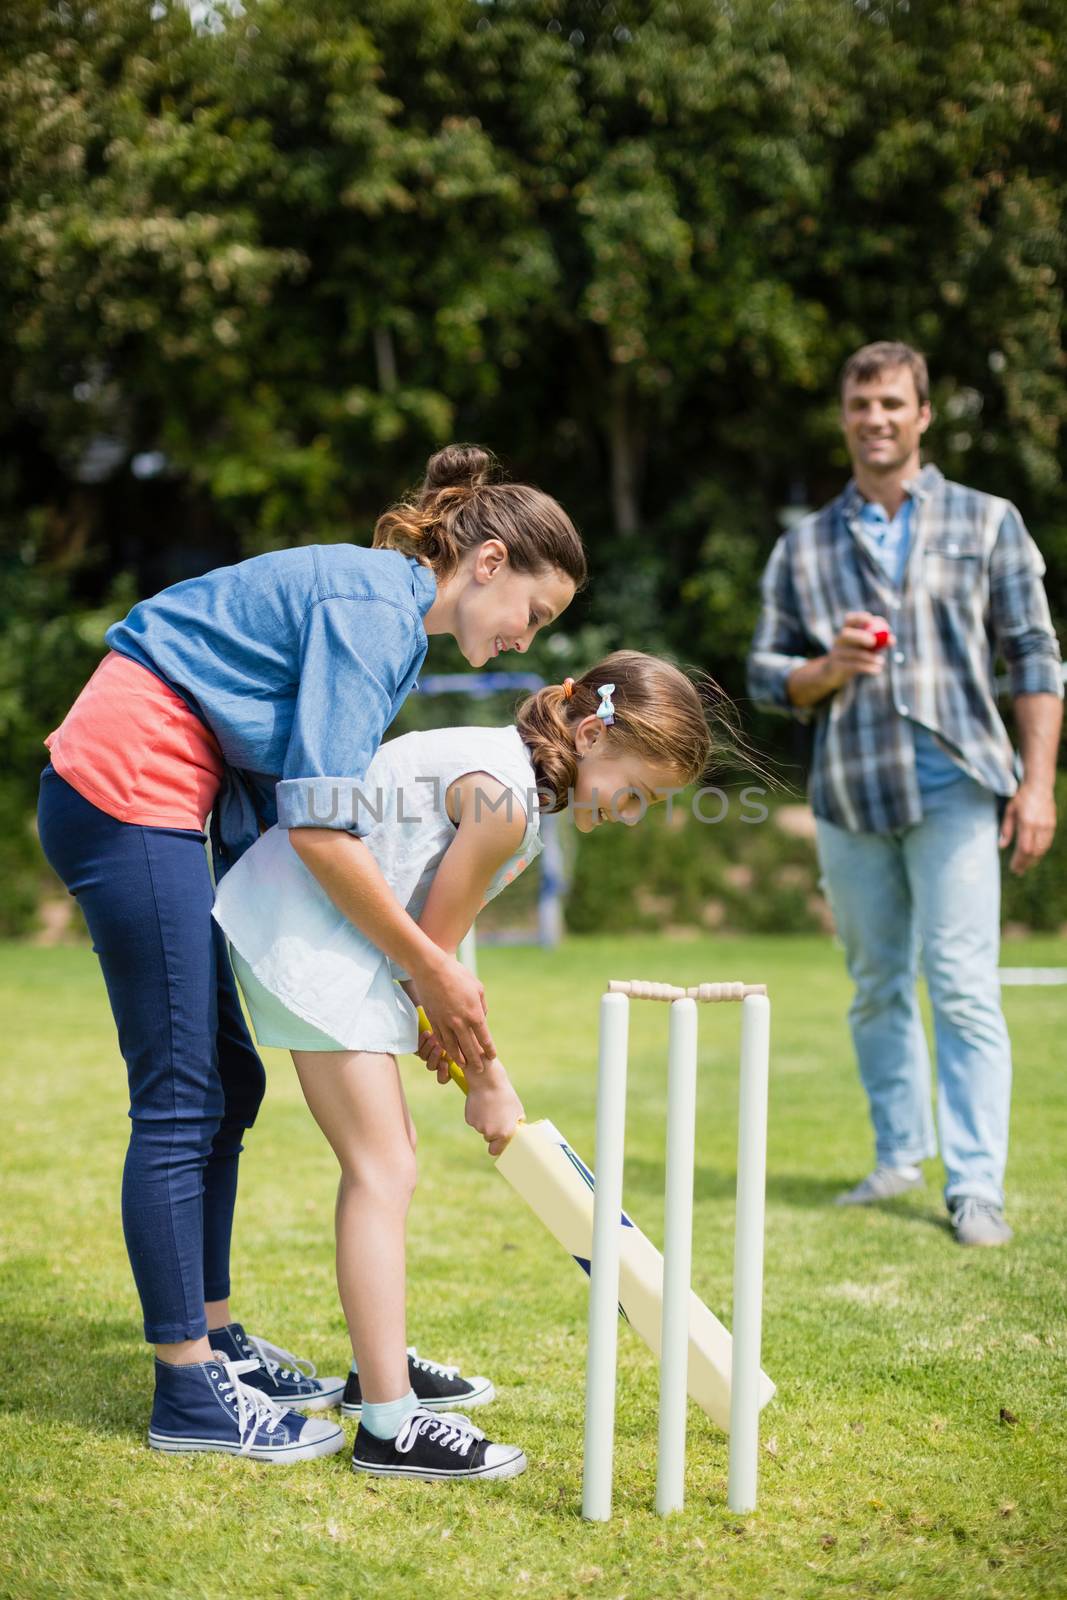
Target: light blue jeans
[(931, 892)]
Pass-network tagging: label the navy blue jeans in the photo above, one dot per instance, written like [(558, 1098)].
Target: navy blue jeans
[(195, 1079)]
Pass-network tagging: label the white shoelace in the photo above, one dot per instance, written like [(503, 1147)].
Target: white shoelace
[(255, 1410), (431, 1366), (449, 1429), (279, 1362)]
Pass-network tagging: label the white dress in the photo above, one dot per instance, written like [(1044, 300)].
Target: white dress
[(285, 929)]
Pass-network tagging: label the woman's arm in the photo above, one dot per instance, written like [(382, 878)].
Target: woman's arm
[(491, 824), (351, 877)]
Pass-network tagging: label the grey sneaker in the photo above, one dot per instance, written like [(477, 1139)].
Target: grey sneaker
[(979, 1222), (884, 1183)]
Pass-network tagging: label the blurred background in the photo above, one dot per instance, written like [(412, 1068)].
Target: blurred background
[(258, 260)]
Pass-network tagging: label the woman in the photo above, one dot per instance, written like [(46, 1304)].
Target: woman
[(260, 693)]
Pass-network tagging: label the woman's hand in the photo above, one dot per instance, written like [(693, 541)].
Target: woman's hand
[(454, 1001), (493, 1108)]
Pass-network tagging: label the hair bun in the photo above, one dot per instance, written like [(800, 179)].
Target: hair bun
[(457, 466)]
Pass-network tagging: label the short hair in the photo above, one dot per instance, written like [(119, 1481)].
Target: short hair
[(867, 363)]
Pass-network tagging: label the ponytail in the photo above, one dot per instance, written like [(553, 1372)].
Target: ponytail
[(546, 730), (659, 714), (463, 502)]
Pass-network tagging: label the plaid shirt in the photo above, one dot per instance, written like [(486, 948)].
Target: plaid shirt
[(971, 589)]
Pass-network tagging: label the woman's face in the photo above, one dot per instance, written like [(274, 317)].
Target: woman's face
[(615, 786), (497, 608)]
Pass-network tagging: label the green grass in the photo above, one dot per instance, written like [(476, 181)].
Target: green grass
[(888, 1465)]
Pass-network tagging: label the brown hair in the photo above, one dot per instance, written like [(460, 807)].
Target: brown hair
[(865, 364), (659, 714), (463, 502)]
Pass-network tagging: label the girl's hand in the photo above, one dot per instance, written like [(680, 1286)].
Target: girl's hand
[(433, 1053), (493, 1108)]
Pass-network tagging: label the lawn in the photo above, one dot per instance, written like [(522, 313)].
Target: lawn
[(917, 1445)]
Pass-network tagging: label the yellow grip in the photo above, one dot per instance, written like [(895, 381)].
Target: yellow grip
[(455, 1071)]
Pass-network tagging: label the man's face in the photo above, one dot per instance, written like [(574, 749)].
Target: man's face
[(883, 420)]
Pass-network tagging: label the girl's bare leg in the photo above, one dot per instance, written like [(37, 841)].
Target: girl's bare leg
[(358, 1101)]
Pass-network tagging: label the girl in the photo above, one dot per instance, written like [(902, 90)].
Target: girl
[(450, 817), (251, 693)]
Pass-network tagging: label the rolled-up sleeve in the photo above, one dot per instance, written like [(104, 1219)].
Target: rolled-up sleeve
[(356, 658), (1019, 611), (779, 641)]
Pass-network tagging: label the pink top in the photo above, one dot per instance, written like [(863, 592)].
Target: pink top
[(133, 748)]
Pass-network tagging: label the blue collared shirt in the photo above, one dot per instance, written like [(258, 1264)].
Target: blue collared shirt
[(889, 541), (887, 538), (297, 661), (971, 588)]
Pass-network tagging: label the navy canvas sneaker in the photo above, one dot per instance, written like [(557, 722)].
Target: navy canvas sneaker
[(439, 1446), (287, 1379), (437, 1388), (209, 1406)]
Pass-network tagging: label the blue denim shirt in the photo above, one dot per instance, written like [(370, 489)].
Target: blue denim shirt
[(297, 661)]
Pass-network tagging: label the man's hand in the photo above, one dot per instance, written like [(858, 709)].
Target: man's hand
[(1030, 819), (493, 1108), (855, 652), (455, 1003), (858, 651)]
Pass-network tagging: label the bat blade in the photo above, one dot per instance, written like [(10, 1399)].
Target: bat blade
[(558, 1187)]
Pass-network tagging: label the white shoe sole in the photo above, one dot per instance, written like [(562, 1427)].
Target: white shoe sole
[(504, 1469), (308, 1451), (450, 1402), (314, 1402)]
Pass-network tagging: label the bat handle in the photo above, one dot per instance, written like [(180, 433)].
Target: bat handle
[(455, 1071)]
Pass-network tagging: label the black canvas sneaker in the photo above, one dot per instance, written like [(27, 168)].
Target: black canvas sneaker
[(436, 1387), (436, 1446)]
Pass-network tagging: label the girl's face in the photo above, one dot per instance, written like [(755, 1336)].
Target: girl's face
[(497, 608), (614, 786)]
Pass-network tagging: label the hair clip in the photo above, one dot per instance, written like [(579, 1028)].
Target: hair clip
[(606, 710), (568, 688)]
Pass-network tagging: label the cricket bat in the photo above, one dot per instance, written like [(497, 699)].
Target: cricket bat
[(558, 1187)]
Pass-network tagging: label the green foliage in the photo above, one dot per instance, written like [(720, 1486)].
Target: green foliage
[(744, 873), (629, 245)]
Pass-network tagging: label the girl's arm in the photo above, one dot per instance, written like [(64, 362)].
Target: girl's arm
[(490, 826)]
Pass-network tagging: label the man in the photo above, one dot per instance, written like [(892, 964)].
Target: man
[(881, 615)]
